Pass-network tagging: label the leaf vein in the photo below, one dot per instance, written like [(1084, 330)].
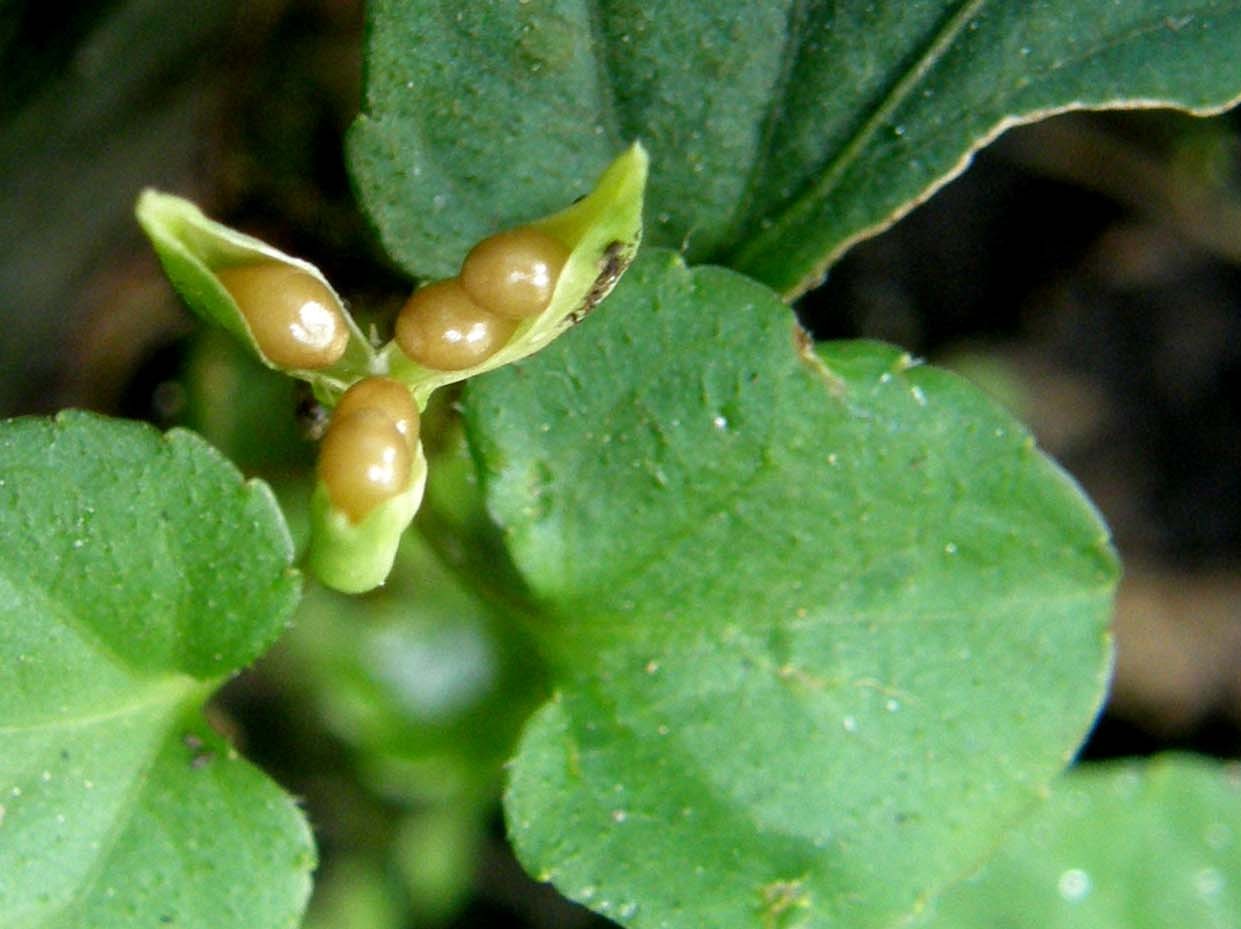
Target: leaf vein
[(821, 187), (158, 693)]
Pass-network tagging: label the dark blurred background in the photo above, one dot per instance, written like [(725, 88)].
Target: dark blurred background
[(1086, 270)]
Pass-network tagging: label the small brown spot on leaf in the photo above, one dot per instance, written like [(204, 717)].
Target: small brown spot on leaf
[(781, 900)]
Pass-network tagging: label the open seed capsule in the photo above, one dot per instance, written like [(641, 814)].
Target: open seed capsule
[(441, 328), (514, 273), (294, 319), (364, 460), (282, 309), (293, 316), (392, 398)]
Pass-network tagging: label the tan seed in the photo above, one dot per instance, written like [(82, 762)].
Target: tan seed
[(514, 273), (293, 317), (441, 328), (363, 461), (388, 396)]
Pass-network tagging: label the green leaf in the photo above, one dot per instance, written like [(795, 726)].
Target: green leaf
[(824, 625), (780, 132), (420, 673), (138, 571), (1123, 845)]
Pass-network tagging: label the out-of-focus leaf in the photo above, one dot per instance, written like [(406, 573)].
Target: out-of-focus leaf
[(1123, 845)]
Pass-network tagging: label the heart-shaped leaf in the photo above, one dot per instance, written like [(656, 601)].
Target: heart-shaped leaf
[(780, 132), (138, 571), (825, 623)]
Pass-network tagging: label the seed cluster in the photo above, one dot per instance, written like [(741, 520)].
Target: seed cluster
[(461, 322), (293, 317), (368, 450), (512, 295)]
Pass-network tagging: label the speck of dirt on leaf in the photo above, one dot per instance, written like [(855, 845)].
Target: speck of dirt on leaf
[(779, 897), (201, 760)]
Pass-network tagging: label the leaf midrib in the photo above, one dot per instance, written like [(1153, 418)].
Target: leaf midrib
[(173, 690), (826, 180), (128, 803)]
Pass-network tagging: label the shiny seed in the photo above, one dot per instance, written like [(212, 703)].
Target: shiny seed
[(514, 273), (390, 397), (441, 328), (364, 461), (293, 317)]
